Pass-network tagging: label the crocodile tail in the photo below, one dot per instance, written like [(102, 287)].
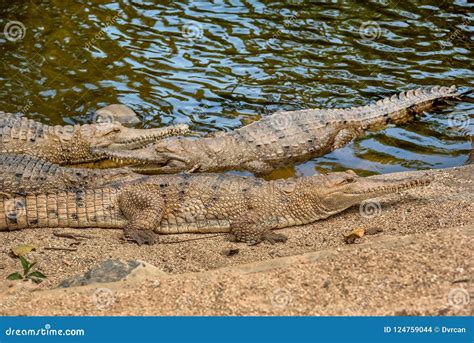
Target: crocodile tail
[(399, 108), (75, 208)]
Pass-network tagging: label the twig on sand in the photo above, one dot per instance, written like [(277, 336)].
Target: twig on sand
[(57, 248), (192, 239), (71, 235)]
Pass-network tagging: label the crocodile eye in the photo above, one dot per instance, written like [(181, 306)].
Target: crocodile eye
[(348, 180), (111, 131)]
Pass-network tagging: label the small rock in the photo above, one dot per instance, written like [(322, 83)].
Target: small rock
[(230, 252), (443, 311), (108, 271), (115, 270), (402, 312), (118, 113), (373, 231)]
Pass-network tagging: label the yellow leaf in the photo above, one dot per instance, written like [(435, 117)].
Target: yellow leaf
[(351, 236), (22, 249)]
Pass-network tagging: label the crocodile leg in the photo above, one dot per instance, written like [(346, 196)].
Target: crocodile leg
[(144, 211), (343, 137)]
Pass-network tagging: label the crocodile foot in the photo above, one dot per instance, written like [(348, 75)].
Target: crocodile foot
[(140, 236)]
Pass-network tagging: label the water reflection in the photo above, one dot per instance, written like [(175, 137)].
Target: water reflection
[(217, 65)]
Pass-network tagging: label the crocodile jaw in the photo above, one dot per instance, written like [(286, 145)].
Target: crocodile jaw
[(167, 156), (101, 141), (140, 159), (355, 190), (121, 137), (130, 138)]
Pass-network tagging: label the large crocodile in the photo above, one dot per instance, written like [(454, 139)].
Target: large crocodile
[(247, 207), (282, 138), (72, 144)]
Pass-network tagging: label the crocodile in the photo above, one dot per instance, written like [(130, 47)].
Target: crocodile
[(22, 174), (281, 138), (69, 145), (249, 208)]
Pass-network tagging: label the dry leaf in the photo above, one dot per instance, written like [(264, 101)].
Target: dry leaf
[(22, 249), (350, 237)]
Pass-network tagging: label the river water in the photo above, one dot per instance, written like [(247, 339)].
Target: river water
[(218, 65)]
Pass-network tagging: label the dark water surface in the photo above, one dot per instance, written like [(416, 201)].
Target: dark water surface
[(218, 65)]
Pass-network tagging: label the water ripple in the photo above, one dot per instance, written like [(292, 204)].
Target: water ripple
[(222, 64)]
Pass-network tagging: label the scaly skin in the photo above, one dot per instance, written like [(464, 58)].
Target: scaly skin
[(282, 138), (247, 207), (21, 174), (68, 145)]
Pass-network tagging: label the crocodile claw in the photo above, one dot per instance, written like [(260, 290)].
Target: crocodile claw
[(140, 236)]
